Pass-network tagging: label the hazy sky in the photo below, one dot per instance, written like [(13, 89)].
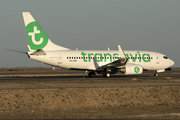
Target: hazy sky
[(152, 25)]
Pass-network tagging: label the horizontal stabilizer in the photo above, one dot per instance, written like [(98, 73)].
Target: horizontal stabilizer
[(38, 52), (17, 51)]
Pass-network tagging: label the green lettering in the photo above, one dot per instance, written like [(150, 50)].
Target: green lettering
[(139, 56), (98, 54), (106, 57), (115, 55), (89, 55), (133, 58), (83, 54), (148, 58)]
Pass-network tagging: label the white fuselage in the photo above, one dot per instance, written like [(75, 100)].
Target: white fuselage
[(92, 59)]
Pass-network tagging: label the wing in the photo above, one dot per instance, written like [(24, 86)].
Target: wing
[(120, 62)]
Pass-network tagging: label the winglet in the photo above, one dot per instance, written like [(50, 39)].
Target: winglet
[(122, 55)]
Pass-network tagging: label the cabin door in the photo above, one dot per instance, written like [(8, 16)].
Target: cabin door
[(157, 59), (60, 59)]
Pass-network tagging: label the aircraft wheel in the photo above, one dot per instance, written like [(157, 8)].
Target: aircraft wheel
[(155, 75), (107, 74), (92, 74)]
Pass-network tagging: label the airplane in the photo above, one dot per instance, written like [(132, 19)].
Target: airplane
[(105, 62)]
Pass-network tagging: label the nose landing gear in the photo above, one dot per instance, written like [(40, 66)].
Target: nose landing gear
[(156, 74)]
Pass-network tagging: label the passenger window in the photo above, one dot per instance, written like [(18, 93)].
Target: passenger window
[(165, 57)]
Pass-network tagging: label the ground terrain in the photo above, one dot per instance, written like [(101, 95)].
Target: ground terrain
[(69, 95)]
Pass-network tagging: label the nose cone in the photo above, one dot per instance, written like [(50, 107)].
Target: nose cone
[(171, 63)]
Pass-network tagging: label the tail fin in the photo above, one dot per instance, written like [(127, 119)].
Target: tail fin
[(36, 36)]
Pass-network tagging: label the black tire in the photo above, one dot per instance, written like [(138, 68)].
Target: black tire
[(155, 75), (107, 74), (92, 74)]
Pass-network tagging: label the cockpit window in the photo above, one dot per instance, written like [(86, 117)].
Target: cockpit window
[(165, 57)]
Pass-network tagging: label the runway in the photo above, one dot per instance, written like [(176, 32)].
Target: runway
[(69, 79)]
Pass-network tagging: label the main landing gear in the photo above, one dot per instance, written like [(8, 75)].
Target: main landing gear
[(92, 74), (107, 74)]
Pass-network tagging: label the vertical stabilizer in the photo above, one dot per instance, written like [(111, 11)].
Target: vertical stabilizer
[(36, 36)]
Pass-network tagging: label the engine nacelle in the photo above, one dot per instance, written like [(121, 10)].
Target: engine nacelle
[(132, 70)]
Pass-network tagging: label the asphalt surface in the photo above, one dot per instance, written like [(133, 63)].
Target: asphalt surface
[(68, 79)]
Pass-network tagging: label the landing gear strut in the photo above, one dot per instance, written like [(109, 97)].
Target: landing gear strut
[(92, 74), (107, 74), (156, 74)]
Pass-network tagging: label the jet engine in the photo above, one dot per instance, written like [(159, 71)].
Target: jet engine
[(132, 70)]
